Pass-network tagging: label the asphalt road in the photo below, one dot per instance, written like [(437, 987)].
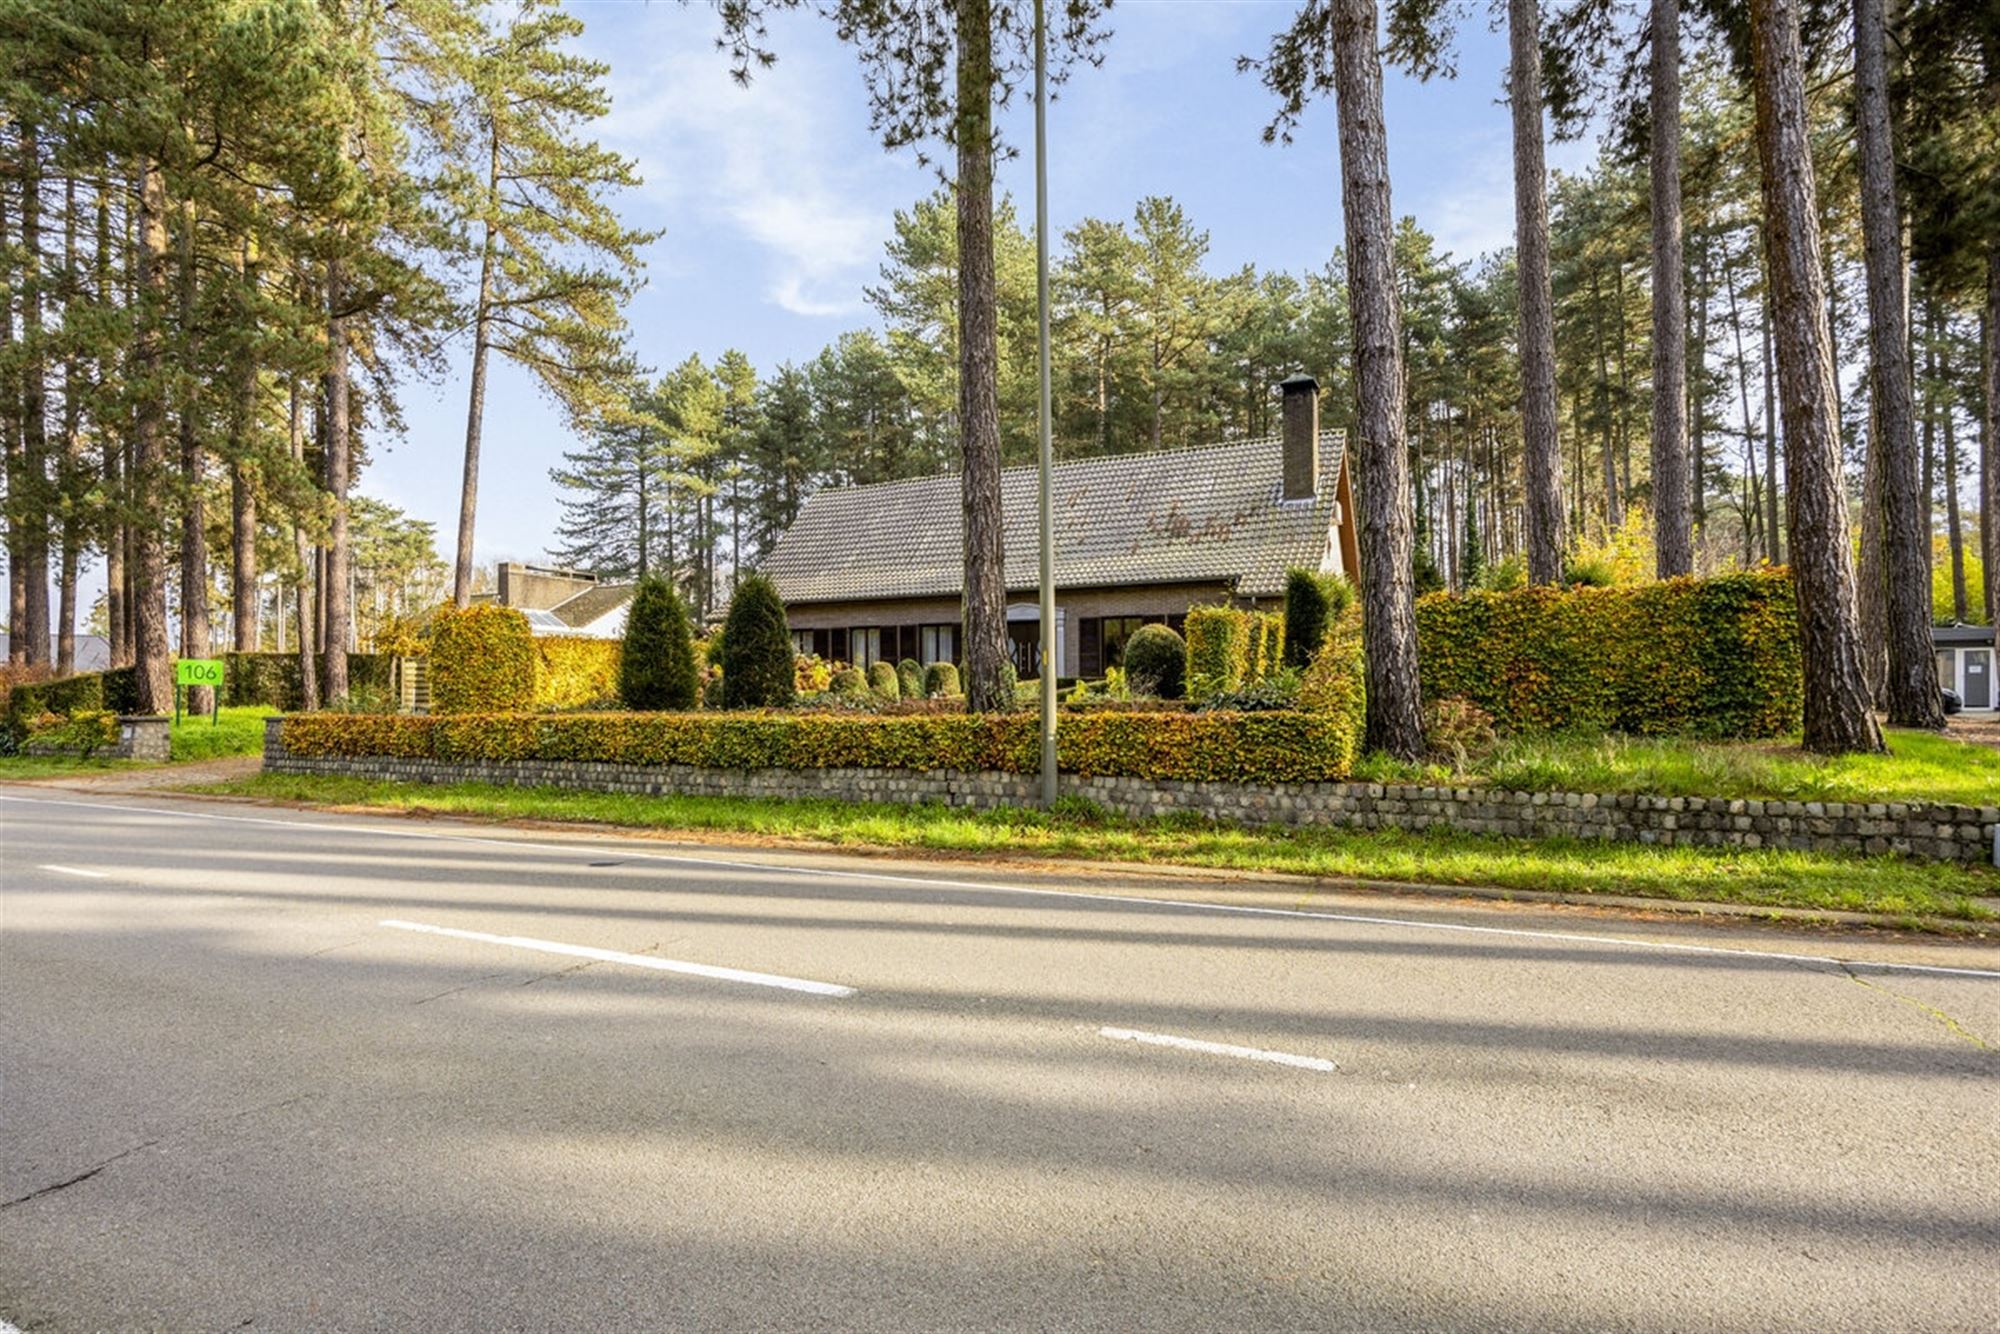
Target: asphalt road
[(235, 1096)]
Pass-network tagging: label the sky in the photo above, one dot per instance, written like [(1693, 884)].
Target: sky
[(775, 202)]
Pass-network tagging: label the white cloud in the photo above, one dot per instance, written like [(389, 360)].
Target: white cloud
[(785, 163)]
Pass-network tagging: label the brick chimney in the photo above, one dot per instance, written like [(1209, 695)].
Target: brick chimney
[(1301, 436)]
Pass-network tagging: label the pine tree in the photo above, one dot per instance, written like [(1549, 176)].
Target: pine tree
[(556, 266)]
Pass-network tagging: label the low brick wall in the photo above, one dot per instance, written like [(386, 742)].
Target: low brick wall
[(140, 737), (1930, 832)]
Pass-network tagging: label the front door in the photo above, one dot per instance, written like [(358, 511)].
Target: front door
[(1978, 690), (1024, 646)]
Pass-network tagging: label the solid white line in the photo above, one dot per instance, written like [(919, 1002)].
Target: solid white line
[(635, 960), (72, 870), (1217, 1048), (6, 1328), (1237, 909)]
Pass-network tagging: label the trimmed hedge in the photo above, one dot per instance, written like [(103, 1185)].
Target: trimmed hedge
[(1162, 746), (1229, 648), (271, 680), (573, 670), (910, 678), (940, 680), (1712, 657), (883, 681), (483, 660)]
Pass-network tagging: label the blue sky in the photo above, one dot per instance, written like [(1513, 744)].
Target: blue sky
[(775, 201)]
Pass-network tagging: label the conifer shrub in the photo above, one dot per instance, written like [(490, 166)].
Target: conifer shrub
[(910, 678), (482, 661), (759, 670), (848, 681), (656, 668), (941, 680), (1218, 650), (882, 680), (1156, 662)]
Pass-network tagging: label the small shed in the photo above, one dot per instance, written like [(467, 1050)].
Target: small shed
[(1965, 664)]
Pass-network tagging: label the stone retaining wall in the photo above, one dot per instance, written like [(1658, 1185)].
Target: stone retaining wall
[(1930, 832)]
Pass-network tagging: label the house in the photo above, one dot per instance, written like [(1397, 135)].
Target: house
[(1965, 661), (562, 602), (875, 573)]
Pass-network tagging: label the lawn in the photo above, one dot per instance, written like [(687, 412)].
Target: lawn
[(237, 731), (1762, 878), (1920, 766)]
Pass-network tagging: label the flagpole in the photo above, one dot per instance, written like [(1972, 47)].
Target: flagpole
[(1050, 666)]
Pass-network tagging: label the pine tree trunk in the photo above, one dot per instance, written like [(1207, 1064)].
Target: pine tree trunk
[(1673, 551), (978, 371), (303, 582), (1912, 688), (1697, 413), (72, 456), (1381, 466), (1541, 452), (1837, 713), (148, 474), (1871, 586), (338, 615), (31, 504), (1989, 436), (1774, 549), (17, 566), (113, 449), (195, 641), (244, 615), (475, 412)]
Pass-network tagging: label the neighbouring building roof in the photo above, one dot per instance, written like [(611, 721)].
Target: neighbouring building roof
[(593, 604), (1953, 636), (1211, 514), (93, 652)]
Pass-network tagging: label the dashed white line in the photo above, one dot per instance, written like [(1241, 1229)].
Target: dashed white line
[(1318, 1063), (1192, 905), (632, 960), (72, 870)]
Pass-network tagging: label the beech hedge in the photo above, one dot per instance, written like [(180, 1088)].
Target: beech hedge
[(1277, 747), (1715, 657)]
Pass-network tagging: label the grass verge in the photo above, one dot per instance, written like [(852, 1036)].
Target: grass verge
[(1759, 878), (234, 732), (1920, 766)]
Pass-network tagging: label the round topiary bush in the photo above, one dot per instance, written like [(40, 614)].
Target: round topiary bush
[(849, 681), (910, 678), (758, 670), (656, 665), (882, 680), (1156, 662), (940, 680), (482, 661)]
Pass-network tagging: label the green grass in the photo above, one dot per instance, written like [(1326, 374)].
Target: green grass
[(1920, 766), (235, 732), (1763, 878)]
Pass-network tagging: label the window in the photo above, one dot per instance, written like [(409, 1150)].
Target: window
[(1947, 662), (802, 642), (939, 643), (865, 646)]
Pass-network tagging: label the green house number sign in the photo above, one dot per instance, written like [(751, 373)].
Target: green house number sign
[(197, 671)]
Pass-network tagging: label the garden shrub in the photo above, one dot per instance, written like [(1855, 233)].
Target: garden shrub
[(1010, 685), (1336, 681), (656, 659), (482, 661), (1279, 690), (1156, 662), (1218, 650), (941, 680), (1152, 745), (1458, 731), (883, 681), (758, 664), (1712, 657), (82, 732), (812, 674), (846, 681), (910, 679), (576, 672), (1273, 656)]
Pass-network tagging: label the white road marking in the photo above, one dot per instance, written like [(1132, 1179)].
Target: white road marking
[(634, 960), (6, 1328), (72, 870), (1217, 1048), (1236, 909)]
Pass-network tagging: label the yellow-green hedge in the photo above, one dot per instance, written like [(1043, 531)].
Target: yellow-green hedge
[(1229, 648), (1255, 747), (572, 671), (1709, 657), (482, 660)]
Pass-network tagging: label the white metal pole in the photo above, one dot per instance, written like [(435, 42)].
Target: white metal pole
[(1050, 666)]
